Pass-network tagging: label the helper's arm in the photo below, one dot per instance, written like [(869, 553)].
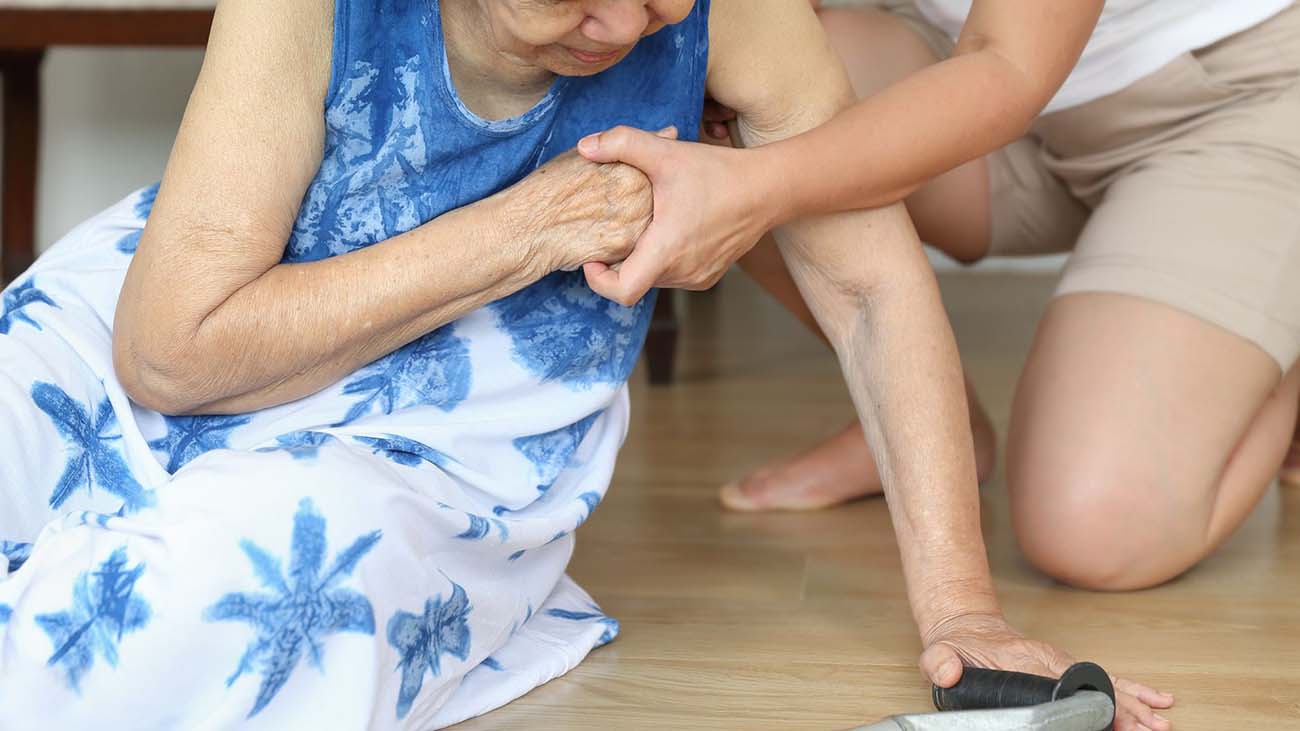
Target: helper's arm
[(209, 318), (712, 204), (1010, 59)]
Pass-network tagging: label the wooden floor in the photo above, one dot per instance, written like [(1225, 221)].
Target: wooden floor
[(799, 621)]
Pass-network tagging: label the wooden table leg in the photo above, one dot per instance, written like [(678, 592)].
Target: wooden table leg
[(661, 341), (22, 111)]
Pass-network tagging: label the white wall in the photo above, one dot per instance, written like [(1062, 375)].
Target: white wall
[(108, 123)]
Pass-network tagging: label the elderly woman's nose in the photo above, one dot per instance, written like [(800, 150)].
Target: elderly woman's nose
[(618, 22)]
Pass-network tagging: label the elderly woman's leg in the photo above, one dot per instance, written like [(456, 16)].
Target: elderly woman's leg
[(63, 446), (319, 584), (1140, 439)]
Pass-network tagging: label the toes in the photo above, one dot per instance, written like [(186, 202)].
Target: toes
[(734, 497), (762, 492)]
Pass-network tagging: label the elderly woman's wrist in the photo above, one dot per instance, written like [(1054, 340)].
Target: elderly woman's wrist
[(943, 605), (514, 215)]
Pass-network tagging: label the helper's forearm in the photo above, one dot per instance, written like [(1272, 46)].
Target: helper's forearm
[(887, 145), (299, 327), (868, 282)]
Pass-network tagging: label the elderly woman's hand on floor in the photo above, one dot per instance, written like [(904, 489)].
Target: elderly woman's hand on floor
[(986, 640)]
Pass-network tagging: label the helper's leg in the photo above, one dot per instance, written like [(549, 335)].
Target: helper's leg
[(1159, 400), (1141, 438)]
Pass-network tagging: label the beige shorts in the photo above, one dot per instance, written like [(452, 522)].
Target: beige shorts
[(1183, 188)]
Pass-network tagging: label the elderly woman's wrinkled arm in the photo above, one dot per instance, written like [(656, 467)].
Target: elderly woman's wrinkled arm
[(867, 281), (870, 286)]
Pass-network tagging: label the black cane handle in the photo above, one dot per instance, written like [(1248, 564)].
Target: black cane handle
[(981, 688)]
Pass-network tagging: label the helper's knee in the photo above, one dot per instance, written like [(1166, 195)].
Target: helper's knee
[(1083, 526)]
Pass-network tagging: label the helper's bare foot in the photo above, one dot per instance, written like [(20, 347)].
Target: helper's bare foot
[(836, 471), (1290, 472)]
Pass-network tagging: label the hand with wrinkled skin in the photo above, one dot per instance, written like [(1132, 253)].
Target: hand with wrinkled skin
[(571, 211), (681, 248), (987, 641)]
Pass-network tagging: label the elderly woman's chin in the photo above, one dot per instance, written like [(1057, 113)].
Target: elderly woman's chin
[(567, 61)]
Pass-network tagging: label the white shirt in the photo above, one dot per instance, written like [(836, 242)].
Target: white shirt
[(1133, 38)]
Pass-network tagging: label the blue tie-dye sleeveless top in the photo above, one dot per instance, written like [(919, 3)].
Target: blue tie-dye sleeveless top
[(401, 148)]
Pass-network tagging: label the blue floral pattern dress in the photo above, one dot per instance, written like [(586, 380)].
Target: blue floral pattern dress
[(386, 553)]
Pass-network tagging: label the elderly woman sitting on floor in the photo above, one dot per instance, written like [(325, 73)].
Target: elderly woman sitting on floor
[(308, 449)]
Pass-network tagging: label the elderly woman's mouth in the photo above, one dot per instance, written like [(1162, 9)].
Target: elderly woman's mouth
[(593, 57)]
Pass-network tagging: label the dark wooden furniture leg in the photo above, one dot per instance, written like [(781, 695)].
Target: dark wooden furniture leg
[(22, 109), (661, 341)]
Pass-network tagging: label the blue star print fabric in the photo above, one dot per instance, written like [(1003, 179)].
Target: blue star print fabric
[(387, 553)]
